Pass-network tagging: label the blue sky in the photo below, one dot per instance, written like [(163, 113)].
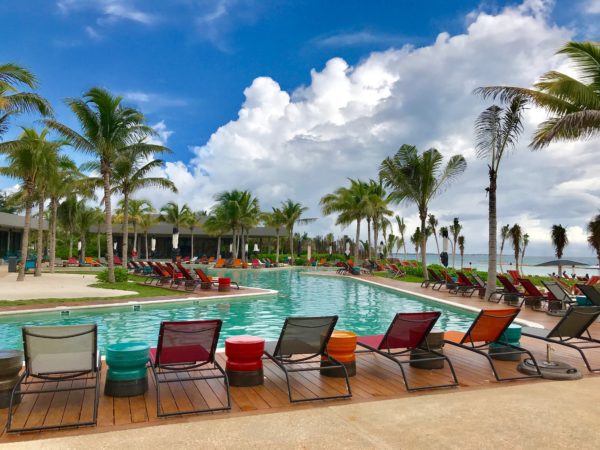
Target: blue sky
[(193, 66)]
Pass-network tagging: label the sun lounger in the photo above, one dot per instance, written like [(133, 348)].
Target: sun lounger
[(91, 261), (533, 296), (206, 279), (435, 280), (220, 263), (407, 333), (571, 331), (189, 282), (509, 292), (591, 293), (159, 274), (464, 285), (55, 354), (396, 271), (71, 262), (515, 275), (560, 297), (117, 260), (302, 347), (186, 353), (489, 327)]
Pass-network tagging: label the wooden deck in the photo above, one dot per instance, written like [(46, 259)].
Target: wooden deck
[(377, 379)]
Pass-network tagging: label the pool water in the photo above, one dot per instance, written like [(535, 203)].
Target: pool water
[(361, 307)]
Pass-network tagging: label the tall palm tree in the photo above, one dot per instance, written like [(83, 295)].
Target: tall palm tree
[(504, 234), (416, 240), (27, 158), (350, 204), (516, 236), (377, 203), (109, 129), (276, 220), (497, 131), (455, 228), (417, 178), (146, 222), (292, 213), (66, 218), (433, 223), (230, 210), (98, 220), (573, 103), (401, 231), (13, 101), (175, 215), (461, 248), (249, 219), (559, 238), (193, 221), (216, 224), (84, 219), (524, 244), (593, 229), (133, 212)]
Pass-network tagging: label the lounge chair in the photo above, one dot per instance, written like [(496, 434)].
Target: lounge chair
[(206, 279), (220, 263), (396, 271), (509, 291), (159, 274), (236, 264), (489, 326), (450, 284), (571, 331), (117, 260), (434, 280), (55, 354), (302, 343), (71, 262), (515, 275), (533, 296), (464, 285), (591, 293), (406, 333), (91, 261), (559, 294), (189, 282), (184, 352)]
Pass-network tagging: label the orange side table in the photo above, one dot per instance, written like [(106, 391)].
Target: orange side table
[(341, 346)]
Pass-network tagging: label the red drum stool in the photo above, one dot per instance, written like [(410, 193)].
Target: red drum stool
[(244, 360), (225, 285)]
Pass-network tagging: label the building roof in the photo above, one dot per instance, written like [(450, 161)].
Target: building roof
[(166, 229), (16, 222)]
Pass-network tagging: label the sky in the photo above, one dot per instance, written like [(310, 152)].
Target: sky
[(290, 98)]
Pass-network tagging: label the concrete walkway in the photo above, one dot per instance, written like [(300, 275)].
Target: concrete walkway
[(540, 415), (53, 285)]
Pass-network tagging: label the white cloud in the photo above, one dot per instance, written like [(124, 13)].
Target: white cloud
[(357, 39), (151, 102), (591, 6), (306, 143)]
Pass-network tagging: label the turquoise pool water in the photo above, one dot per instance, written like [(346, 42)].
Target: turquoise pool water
[(362, 308)]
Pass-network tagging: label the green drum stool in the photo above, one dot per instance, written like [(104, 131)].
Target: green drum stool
[(127, 374), (512, 335), (11, 363)]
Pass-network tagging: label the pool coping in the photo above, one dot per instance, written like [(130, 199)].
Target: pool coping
[(142, 302), (332, 274)]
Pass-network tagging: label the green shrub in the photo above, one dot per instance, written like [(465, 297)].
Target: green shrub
[(121, 275)]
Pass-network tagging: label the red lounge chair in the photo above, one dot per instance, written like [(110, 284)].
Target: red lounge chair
[(71, 262), (175, 274), (117, 260), (206, 279), (407, 332), (464, 285), (533, 296), (186, 352), (396, 271), (515, 275), (509, 291), (488, 327), (159, 274), (189, 282)]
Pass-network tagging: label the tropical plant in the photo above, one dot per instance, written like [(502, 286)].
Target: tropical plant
[(276, 220), (376, 210), (416, 239), (455, 228), (292, 214), (146, 222), (559, 239), (175, 215), (516, 236), (418, 178), (504, 235), (85, 218), (98, 221), (216, 225), (497, 131), (109, 130), (66, 218), (27, 158), (13, 101), (401, 231), (573, 104), (193, 221), (461, 249), (432, 223), (593, 229), (351, 205), (133, 212), (525, 243)]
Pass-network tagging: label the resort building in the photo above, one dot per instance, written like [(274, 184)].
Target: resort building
[(11, 232)]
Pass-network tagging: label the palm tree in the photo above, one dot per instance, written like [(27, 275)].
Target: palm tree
[(419, 178), (401, 231), (217, 225), (559, 238), (593, 229), (377, 202), (433, 223), (84, 219), (109, 130), (461, 248), (574, 104), (525, 244), (176, 216), (193, 221), (350, 204), (445, 235), (66, 218), (455, 230), (98, 220), (145, 222), (250, 216), (12, 100), (292, 213), (416, 239), (26, 158), (133, 212), (504, 234), (497, 131), (516, 236), (276, 220)]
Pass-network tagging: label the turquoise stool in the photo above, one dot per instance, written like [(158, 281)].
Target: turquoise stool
[(127, 375), (582, 300), (512, 335)]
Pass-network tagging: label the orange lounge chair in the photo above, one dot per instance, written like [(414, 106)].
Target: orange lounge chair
[(236, 264), (220, 263), (91, 261), (488, 327), (515, 275)]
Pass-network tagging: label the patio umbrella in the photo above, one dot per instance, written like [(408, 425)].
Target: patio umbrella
[(562, 262)]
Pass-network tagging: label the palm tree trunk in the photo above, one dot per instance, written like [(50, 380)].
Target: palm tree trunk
[(369, 237), (135, 236), (192, 244), (437, 245), (53, 218), (423, 217), (454, 252), (242, 245), (218, 247), (83, 242), (357, 241), (490, 287), (124, 251), (25, 239), (291, 239), (501, 252), (98, 244), (277, 248), (70, 244), (40, 238), (108, 224), (376, 237)]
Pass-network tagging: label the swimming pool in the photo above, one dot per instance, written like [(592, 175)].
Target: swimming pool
[(361, 307)]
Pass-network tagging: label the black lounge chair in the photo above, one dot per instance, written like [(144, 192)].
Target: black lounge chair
[(302, 343), (571, 331), (55, 354), (559, 293), (408, 333), (185, 352), (591, 293)]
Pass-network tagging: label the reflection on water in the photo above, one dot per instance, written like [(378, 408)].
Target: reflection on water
[(362, 308)]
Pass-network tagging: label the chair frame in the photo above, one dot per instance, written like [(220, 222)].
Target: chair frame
[(286, 360), (93, 374), (481, 349), (422, 345), (159, 369)]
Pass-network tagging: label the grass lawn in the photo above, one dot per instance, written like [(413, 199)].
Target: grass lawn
[(408, 278), (138, 291)]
